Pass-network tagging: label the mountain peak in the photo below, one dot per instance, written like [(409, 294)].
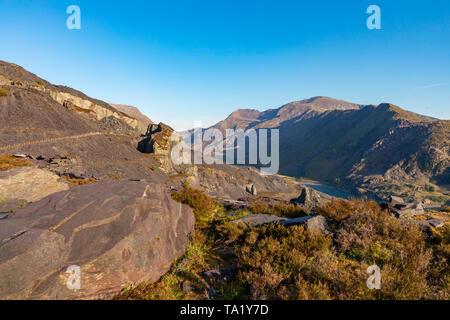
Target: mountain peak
[(245, 114), (400, 113)]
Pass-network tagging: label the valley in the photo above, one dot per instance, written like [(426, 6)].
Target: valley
[(90, 184)]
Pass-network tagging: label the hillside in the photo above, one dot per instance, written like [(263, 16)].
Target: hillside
[(374, 149), (65, 131), (134, 113), (43, 120)]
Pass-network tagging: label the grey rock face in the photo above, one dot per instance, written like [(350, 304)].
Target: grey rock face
[(117, 232), (308, 198)]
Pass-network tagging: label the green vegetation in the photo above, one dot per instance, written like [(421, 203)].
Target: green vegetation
[(154, 168), (3, 93), (276, 262), (202, 205), (2, 200), (39, 82), (439, 199), (8, 162)]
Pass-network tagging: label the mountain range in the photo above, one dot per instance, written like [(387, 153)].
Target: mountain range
[(90, 185), (377, 150), (374, 150)]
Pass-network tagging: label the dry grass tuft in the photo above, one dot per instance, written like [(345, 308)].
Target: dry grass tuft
[(8, 162), (79, 182)]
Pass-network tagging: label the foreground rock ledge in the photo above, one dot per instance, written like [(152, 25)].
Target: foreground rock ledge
[(117, 232)]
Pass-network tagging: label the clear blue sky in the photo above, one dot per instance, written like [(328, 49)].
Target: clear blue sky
[(185, 61)]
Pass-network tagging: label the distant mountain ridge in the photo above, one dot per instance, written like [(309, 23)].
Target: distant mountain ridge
[(273, 118), (376, 149)]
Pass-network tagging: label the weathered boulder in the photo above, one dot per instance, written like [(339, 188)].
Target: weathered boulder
[(311, 223), (308, 198), (30, 184), (258, 220), (116, 232), (400, 209)]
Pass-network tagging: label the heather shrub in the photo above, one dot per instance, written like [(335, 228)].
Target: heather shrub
[(372, 236), (202, 205), (439, 275), (276, 262), (8, 162)]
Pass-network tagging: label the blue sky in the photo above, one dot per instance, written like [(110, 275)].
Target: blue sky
[(186, 61)]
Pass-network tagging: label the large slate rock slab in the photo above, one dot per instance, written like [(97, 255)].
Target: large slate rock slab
[(258, 220), (312, 223), (117, 232), (11, 206), (30, 184)]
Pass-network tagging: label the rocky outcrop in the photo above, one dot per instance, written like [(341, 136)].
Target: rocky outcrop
[(75, 101), (250, 188), (157, 140), (399, 208), (116, 232), (134, 112), (308, 198), (30, 184), (90, 107)]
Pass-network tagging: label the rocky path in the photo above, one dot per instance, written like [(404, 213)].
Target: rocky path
[(78, 136)]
